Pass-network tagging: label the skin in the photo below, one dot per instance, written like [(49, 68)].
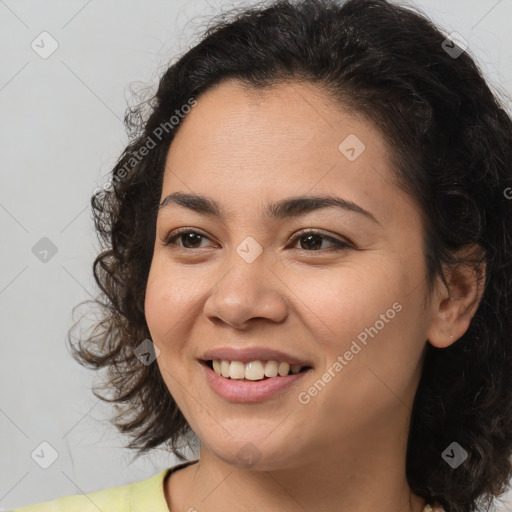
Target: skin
[(245, 148)]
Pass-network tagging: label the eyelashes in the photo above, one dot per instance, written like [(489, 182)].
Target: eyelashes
[(313, 236)]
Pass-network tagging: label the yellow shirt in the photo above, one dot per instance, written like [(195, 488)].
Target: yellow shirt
[(143, 496)]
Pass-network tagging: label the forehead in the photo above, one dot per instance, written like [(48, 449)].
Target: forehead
[(244, 144), (283, 120)]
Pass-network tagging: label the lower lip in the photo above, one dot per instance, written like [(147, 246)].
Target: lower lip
[(238, 390)]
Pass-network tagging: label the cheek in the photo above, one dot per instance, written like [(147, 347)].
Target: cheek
[(163, 302), (153, 303), (166, 293), (368, 316), (173, 301), (340, 304)]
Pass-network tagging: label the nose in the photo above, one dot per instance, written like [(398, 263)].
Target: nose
[(247, 291)]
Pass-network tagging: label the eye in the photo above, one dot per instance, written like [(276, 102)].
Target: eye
[(190, 238), (313, 239)]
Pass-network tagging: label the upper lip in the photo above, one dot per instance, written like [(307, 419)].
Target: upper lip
[(248, 354)]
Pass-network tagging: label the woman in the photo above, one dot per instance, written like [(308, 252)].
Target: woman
[(371, 373)]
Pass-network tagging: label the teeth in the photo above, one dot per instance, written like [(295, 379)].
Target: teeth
[(283, 369), (295, 368), (271, 369), (236, 370), (255, 370), (224, 368)]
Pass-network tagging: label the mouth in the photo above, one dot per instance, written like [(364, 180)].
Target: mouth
[(253, 371), (254, 381)]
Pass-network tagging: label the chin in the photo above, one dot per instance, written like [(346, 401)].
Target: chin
[(265, 455)]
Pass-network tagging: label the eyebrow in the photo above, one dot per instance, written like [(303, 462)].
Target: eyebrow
[(291, 207)]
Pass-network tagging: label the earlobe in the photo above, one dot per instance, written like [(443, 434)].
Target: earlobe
[(452, 309)]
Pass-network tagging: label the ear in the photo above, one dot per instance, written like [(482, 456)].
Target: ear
[(452, 310)]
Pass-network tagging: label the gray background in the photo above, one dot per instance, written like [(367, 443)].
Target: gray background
[(61, 133)]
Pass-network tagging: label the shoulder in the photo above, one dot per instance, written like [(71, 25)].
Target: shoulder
[(114, 499)]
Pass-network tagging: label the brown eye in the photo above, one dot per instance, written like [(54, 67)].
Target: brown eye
[(312, 241), (188, 238)]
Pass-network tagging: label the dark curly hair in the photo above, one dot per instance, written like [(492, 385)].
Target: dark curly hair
[(451, 141)]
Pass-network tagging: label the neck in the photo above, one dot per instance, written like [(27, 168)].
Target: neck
[(360, 476)]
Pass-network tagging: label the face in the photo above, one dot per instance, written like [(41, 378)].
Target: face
[(334, 287)]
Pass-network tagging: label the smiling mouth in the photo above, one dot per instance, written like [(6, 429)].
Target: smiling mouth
[(290, 371)]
